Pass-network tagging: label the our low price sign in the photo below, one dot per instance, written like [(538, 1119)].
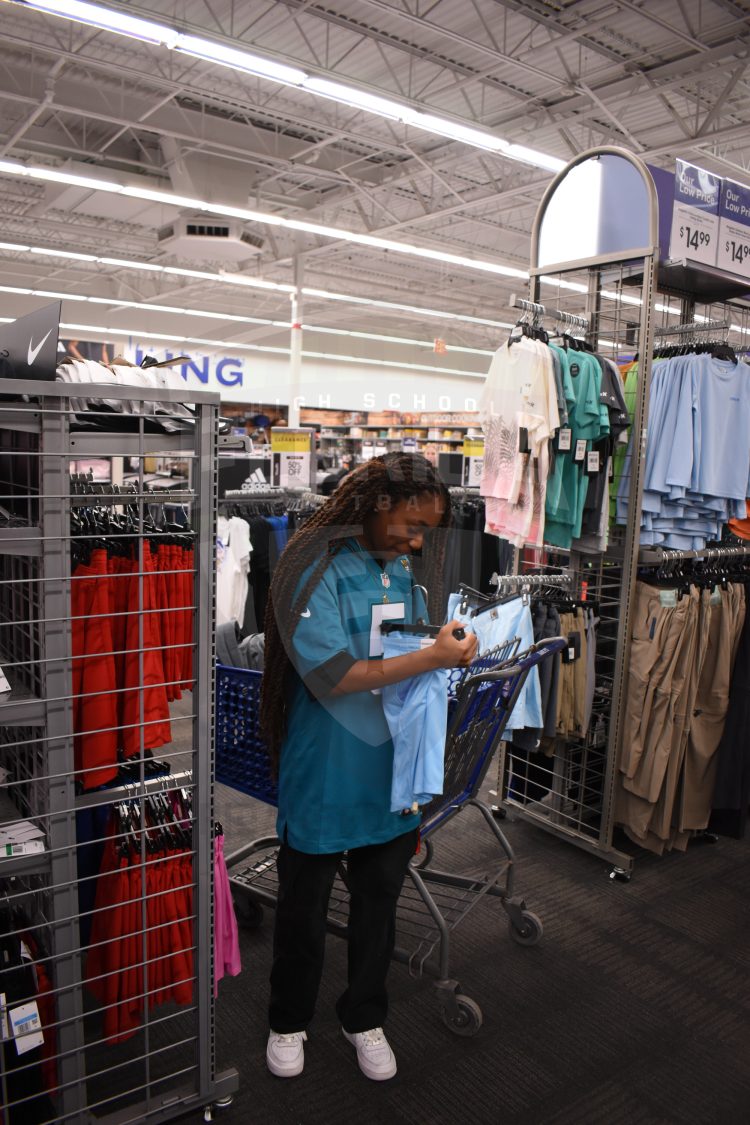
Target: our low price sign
[(695, 219), (734, 229)]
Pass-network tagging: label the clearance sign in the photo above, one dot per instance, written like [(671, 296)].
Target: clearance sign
[(291, 457), (473, 451)]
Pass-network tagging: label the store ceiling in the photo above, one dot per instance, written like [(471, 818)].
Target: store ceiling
[(668, 79)]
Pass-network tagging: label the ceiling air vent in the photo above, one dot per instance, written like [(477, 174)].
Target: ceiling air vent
[(194, 236)]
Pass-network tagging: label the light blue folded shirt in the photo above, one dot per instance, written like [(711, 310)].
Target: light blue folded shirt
[(416, 711)]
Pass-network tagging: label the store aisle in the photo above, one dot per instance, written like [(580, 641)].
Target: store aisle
[(634, 1009)]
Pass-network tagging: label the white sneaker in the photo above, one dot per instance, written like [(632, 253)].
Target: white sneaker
[(374, 1055), (285, 1054)]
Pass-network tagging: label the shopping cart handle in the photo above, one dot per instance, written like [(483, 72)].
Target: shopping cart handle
[(533, 655)]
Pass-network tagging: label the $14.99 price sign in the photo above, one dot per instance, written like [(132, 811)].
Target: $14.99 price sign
[(695, 218), (694, 236), (734, 230)]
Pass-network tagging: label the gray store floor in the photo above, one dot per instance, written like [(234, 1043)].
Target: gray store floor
[(633, 1010)]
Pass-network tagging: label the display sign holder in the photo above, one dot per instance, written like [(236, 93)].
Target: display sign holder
[(473, 455), (292, 457)]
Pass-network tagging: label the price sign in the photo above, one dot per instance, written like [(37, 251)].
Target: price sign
[(695, 219), (734, 229), (473, 451), (291, 458)]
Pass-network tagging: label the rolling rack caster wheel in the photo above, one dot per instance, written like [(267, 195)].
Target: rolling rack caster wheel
[(249, 912), (463, 1019), (620, 875), (217, 1107), (529, 932)]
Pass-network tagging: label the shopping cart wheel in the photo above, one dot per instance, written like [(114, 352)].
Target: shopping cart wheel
[(462, 1015), (530, 930), (249, 913)]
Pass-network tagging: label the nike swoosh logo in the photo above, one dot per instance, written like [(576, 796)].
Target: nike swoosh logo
[(33, 352), (306, 613)]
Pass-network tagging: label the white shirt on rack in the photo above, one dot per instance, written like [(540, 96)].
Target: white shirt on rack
[(233, 549)]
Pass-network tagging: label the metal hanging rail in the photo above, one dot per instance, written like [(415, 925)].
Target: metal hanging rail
[(694, 326), (712, 554), (570, 319), (531, 581)]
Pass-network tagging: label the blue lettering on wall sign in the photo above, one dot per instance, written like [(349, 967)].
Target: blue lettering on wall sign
[(192, 368), (229, 378)]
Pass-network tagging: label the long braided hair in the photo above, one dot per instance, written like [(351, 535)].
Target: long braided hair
[(381, 481)]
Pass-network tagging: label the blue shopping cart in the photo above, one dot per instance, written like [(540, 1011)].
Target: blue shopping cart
[(433, 902)]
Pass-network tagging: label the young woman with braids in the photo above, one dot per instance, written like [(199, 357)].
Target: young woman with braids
[(343, 573)]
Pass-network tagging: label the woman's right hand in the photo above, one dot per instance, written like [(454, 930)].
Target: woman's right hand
[(449, 652)]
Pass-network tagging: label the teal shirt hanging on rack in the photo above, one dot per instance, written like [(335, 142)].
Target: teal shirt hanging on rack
[(588, 420)]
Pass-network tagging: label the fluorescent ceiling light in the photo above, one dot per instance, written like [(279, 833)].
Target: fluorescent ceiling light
[(233, 346), (533, 156), (180, 310), (258, 283), (238, 60), (212, 50), (359, 99), (37, 172), (96, 16)]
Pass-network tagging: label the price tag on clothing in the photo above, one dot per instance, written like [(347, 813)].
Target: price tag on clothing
[(580, 453), (4, 1033), (26, 1027), (592, 461), (523, 440), (4, 685), (564, 439)]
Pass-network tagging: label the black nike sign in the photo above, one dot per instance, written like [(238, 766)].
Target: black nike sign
[(28, 346)]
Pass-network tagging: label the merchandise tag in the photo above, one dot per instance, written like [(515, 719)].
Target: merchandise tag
[(668, 599), (592, 461), (580, 452), (523, 439), (427, 642), (4, 685), (574, 369), (573, 651), (4, 1033), (610, 469), (26, 1027), (716, 596), (564, 439)]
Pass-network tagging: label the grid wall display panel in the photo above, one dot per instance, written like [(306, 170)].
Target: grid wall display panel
[(106, 873)]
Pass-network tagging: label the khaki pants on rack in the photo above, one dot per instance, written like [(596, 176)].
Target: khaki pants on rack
[(710, 708), (571, 696), (687, 674), (662, 656)]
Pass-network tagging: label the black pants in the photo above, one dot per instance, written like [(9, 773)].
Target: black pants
[(375, 876)]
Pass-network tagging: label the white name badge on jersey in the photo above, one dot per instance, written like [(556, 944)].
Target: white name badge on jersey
[(380, 612)]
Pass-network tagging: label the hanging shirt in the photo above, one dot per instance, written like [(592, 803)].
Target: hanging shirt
[(336, 762), (519, 414), (416, 711), (233, 549), (495, 626)]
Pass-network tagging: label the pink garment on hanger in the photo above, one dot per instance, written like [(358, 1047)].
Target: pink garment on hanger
[(226, 938)]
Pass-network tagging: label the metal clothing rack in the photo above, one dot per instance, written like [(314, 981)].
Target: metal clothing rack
[(509, 582), (169, 1066), (617, 286), (659, 557), (572, 320), (693, 328)]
